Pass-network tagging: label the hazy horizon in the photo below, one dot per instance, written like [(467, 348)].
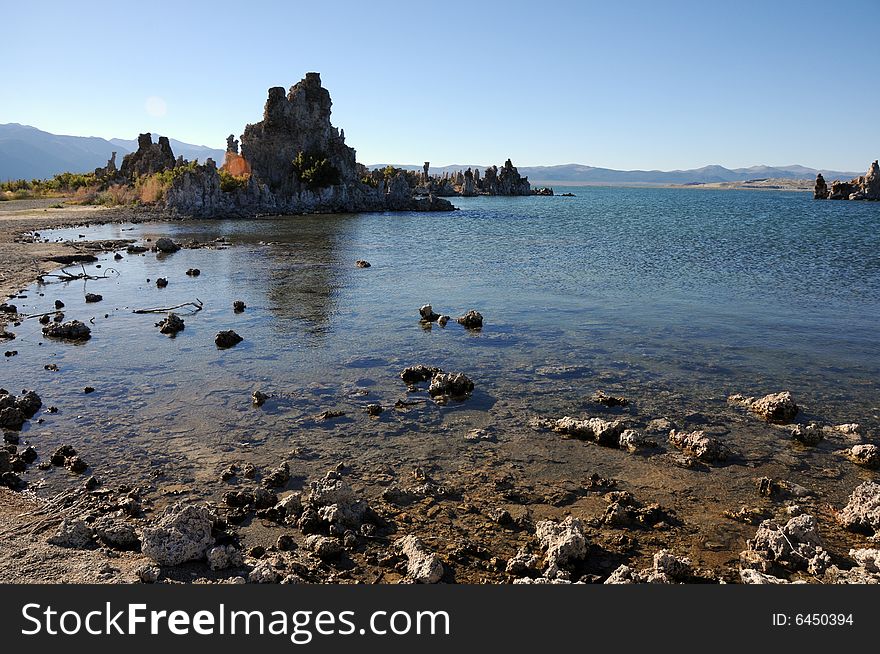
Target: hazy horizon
[(641, 87)]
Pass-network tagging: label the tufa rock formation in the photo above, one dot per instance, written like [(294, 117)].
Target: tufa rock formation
[(293, 161), (149, 158), (495, 181), (864, 187), (821, 190)]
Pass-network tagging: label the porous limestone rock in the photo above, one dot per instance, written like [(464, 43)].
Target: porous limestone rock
[(293, 161), (632, 441), (775, 407), (73, 330), (811, 434), (796, 545), (862, 512), (706, 448), (820, 191), (182, 534), (422, 566), (451, 384), (865, 454), (564, 543), (323, 547), (73, 533), (605, 432), (222, 557)]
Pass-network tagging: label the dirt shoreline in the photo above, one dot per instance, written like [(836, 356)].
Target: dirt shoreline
[(20, 217), (21, 260)]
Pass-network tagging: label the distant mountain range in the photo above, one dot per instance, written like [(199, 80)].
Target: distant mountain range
[(578, 174), (29, 153)]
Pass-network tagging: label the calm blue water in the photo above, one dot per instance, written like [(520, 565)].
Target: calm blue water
[(673, 297)]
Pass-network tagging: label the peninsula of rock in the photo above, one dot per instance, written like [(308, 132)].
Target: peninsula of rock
[(863, 187)]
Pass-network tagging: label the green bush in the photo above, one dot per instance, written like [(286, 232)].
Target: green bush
[(314, 170), (229, 183)]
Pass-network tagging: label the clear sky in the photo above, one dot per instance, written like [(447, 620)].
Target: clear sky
[(632, 84)]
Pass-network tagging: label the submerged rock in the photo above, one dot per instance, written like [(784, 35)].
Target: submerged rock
[(182, 534), (11, 417), (238, 306), (162, 282), (776, 407), (455, 385), (93, 297), (422, 566), (427, 314), (419, 373), (360, 263), (227, 339), (73, 330), (600, 397), (471, 320), (811, 434), (166, 245), (171, 324)]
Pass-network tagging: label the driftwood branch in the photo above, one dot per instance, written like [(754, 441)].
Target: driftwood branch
[(67, 276), (198, 305)]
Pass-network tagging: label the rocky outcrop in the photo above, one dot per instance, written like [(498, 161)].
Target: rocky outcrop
[(149, 158), (820, 192), (293, 161), (864, 187), (109, 171), (862, 512)]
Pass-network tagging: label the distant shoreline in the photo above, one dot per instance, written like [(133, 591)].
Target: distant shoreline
[(799, 185)]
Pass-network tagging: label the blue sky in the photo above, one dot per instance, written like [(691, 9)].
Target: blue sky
[(615, 84)]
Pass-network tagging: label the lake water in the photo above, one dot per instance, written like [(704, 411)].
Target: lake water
[(674, 298)]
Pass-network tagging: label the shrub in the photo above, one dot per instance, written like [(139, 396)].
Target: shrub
[(230, 183), (150, 190), (315, 170), (118, 194)]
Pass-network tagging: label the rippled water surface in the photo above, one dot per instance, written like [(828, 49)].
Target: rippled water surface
[(673, 297)]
